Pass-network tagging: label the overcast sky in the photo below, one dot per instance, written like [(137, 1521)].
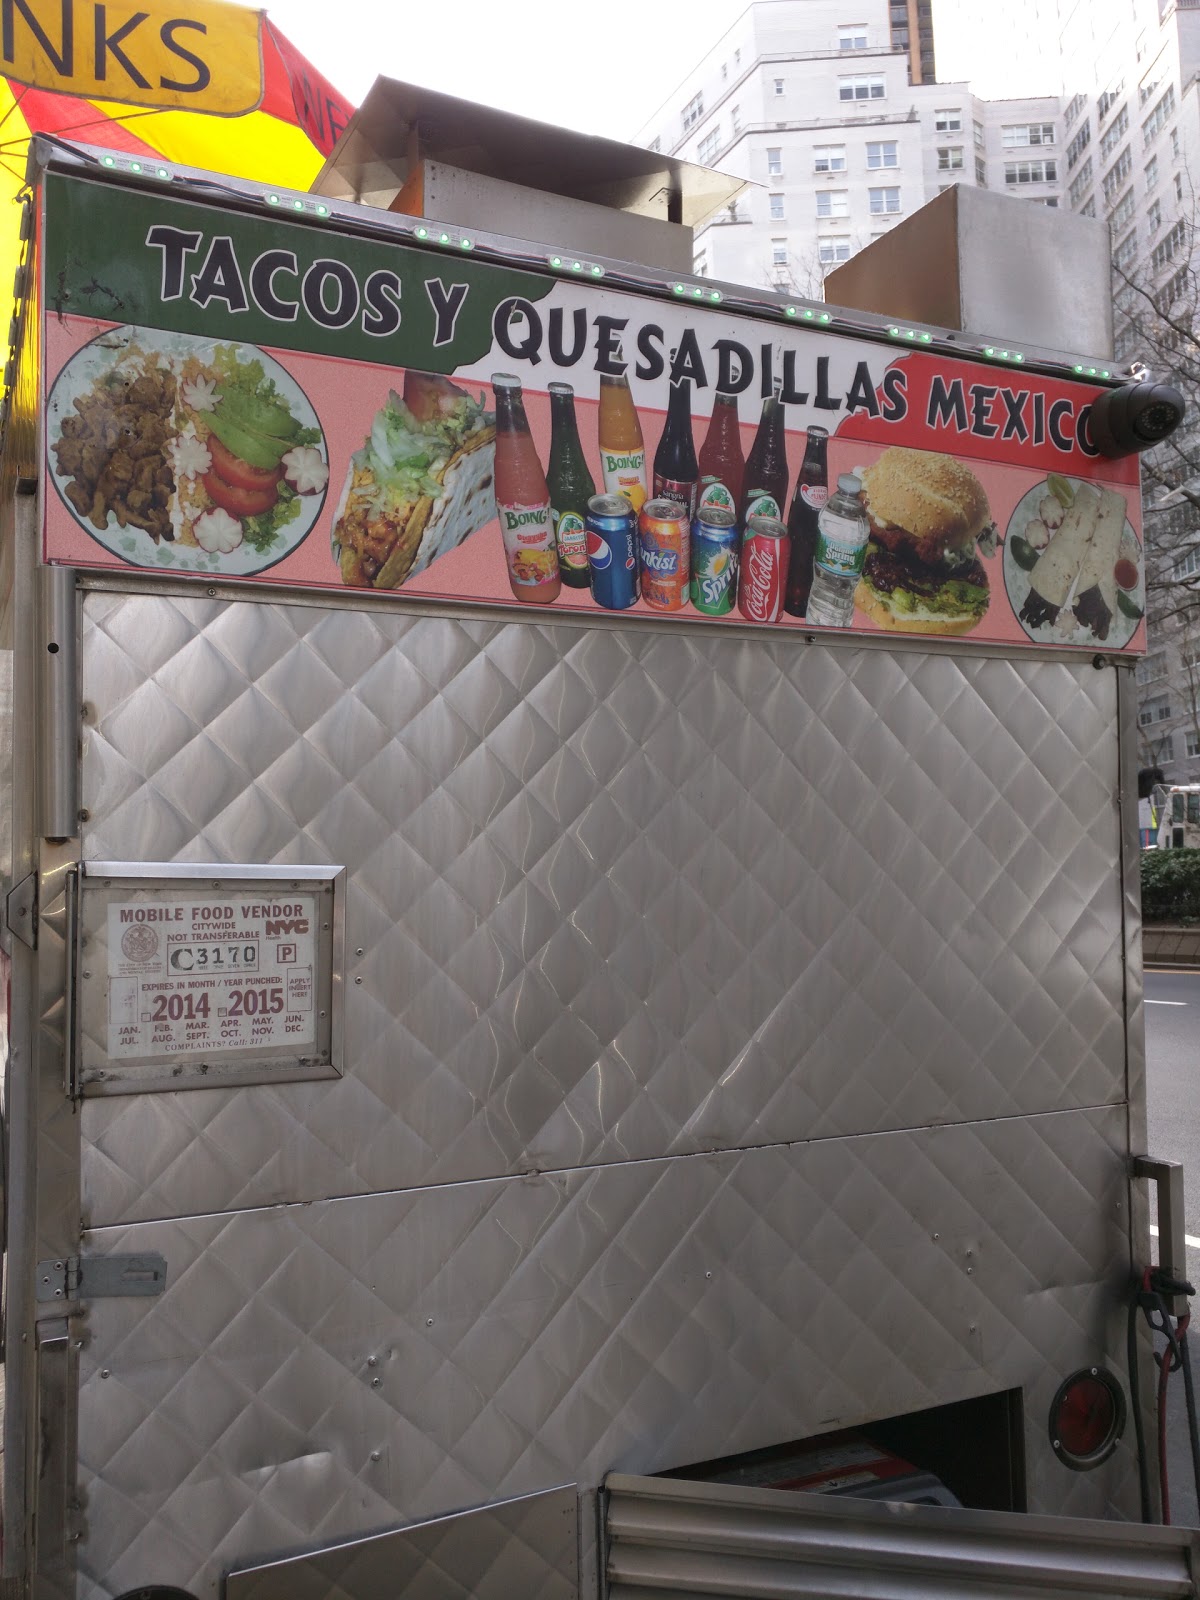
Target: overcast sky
[(603, 72)]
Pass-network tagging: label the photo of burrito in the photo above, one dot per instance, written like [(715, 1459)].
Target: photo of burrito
[(922, 572), (1073, 564), (419, 486)]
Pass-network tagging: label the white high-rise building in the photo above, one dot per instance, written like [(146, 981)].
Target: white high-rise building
[(828, 117)]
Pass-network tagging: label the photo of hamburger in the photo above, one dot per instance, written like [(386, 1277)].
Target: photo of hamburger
[(922, 572)]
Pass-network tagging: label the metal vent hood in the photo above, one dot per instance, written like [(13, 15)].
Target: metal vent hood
[(469, 166)]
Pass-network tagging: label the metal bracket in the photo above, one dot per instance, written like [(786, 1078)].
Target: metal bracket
[(101, 1277), (21, 910), (1167, 1177)]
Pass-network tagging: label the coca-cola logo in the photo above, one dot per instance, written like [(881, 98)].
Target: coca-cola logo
[(762, 580)]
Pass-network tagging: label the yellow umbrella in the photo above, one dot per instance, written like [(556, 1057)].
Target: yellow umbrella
[(202, 84)]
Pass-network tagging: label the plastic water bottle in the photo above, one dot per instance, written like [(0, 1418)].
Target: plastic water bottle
[(842, 531)]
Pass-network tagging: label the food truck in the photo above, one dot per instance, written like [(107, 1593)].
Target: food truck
[(503, 1067)]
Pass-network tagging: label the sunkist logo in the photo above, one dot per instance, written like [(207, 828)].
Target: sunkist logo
[(150, 55)]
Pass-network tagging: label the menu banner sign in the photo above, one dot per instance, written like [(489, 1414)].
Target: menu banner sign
[(249, 397)]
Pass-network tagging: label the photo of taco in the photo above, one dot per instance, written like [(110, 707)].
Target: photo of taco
[(419, 486)]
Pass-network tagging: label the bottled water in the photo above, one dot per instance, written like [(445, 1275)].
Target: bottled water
[(842, 530)]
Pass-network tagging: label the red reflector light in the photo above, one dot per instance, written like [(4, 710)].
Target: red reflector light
[(1087, 1417)]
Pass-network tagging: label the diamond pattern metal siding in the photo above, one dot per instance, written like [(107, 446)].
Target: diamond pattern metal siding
[(316, 1373), (618, 895)]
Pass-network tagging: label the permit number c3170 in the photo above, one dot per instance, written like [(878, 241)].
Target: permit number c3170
[(215, 958)]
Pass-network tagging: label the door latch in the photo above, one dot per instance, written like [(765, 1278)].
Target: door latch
[(100, 1277)]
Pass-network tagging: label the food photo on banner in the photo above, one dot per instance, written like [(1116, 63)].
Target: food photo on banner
[(321, 410)]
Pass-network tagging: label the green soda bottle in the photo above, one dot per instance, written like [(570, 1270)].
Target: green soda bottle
[(571, 487)]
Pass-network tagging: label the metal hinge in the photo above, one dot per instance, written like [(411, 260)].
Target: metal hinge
[(100, 1277), (21, 910)]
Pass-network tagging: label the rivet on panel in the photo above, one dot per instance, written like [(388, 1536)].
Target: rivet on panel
[(937, 1236), (970, 1270), (375, 1382), (372, 1361), (429, 1322), (375, 1455), (358, 980), (104, 1372), (359, 951)]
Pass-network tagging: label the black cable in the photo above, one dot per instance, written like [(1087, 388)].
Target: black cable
[(1135, 1402), (1190, 1394)]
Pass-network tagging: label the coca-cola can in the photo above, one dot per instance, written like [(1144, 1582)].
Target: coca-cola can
[(764, 565)]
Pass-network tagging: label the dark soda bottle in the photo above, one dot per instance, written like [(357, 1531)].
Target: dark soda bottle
[(766, 479), (722, 465), (676, 473), (571, 487), (812, 491)]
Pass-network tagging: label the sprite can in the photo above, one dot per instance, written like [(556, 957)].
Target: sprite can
[(714, 562)]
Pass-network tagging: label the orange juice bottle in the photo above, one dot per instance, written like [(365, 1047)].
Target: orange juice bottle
[(622, 450), (523, 500)]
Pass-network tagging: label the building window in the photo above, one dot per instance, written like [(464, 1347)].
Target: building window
[(779, 252), (1193, 744), (872, 88), (833, 203), (774, 161), (1030, 171), (1088, 209), (1162, 750), (700, 264), (655, 145), (981, 172), (1175, 143), (775, 204), (829, 158), (853, 36), (835, 249), (1079, 183), (1126, 252), (947, 121), (1156, 710), (778, 85), (1114, 133), (1179, 186), (1154, 217), (1109, 99), (1079, 144), (724, 71), (977, 127), (693, 111), (1170, 246), (950, 158), (884, 200), (1114, 178), (1019, 134), (1188, 564), (1158, 118), (1123, 212), (1126, 342), (884, 154), (1152, 667), (707, 148), (1152, 172), (1073, 110), (1148, 89)]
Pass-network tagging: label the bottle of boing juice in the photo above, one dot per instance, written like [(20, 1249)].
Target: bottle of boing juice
[(622, 449), (523, 501)]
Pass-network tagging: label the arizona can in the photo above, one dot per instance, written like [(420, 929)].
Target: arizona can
[(664, 554), (762, 570), (714, 562), (612, 551)]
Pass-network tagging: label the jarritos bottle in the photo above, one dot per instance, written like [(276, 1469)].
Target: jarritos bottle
[(722, 465), (571, 487), (812, 491), (676, 472), (523, 501), (766, 478), (622, 449)]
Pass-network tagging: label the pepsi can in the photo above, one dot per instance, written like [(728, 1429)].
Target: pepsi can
[(611, 524)]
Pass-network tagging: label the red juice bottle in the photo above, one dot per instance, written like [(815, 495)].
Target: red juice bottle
[(722, 464), (523, 501), (676, 474)]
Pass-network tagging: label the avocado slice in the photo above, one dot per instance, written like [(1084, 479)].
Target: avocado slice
[(255, 449), (258, 415)]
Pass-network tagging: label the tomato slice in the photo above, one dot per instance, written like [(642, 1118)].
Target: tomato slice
[(237, 501), (240, 473)]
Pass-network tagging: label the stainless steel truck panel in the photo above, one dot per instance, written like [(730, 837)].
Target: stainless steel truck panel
[(606, 887)]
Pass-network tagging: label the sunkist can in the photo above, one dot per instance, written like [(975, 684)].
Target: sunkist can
[(762, 570), (612, 551), (714, 562), (664, 554)]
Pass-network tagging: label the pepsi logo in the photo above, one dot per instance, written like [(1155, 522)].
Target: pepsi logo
[(599, 551)]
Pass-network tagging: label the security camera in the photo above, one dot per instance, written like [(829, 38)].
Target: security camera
[(1135, 417)]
